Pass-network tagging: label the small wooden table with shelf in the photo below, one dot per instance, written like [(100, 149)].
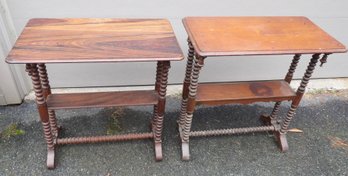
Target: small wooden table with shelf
[(243, 36), (46, 41)]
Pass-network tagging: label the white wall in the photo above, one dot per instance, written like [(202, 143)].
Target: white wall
[(331, 15), (13, 85)]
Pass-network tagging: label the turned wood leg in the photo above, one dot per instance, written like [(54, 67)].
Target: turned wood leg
[(43, 112), (159, 71), (186, 127), (267, 119), (185, 89), (281, 134), (158, 122), (46, 90)]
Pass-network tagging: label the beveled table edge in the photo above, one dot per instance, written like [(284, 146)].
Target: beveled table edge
[(180, 57), (255, 52), (10, 61)]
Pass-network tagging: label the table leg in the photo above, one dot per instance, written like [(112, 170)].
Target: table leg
[(185, 89), (272, 118), (158, 122), (191, 102), (46, 89), (281, 134), (159, 71), (43, 112)]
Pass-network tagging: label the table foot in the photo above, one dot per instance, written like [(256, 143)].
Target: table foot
[(185, 151), (50, 158), (158, 151), (280, 137), (282, 141)]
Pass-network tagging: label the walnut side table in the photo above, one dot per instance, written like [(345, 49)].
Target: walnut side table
[(46, 41), (242, 36)]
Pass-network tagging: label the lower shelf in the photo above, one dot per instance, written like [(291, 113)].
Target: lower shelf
[(244, 92), (102, 99)]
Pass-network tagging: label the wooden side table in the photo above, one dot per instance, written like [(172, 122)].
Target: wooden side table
[(242, 36), (94, 41)]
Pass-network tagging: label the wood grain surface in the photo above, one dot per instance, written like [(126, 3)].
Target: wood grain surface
[(102, 99), (95, 40), (244, 92), (218, 36)]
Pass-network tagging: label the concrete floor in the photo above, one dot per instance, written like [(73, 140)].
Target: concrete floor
[(322, 148)]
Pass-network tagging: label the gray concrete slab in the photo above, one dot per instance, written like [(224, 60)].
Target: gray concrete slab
[(322, 148)]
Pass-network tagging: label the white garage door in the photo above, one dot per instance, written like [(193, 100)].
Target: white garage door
[(332, 16)]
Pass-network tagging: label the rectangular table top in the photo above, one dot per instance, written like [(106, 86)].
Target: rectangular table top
[(227, 36), (95, 40)]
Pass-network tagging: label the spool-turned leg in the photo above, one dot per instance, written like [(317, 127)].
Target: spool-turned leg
[(43, 112), (158, 122), (272, 118), (281, 133), (185, 89), (159, 70), (186, 127), (46, 89)]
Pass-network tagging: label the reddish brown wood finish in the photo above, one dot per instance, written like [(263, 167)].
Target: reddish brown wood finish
[(244, 92), (217, 36), (186, 84), (161, 88), (101, 99), (43, 113), (46, 89), (109, 138), (229, 36), (267, 119), (185, 126), (95, 40), (221, 132)]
